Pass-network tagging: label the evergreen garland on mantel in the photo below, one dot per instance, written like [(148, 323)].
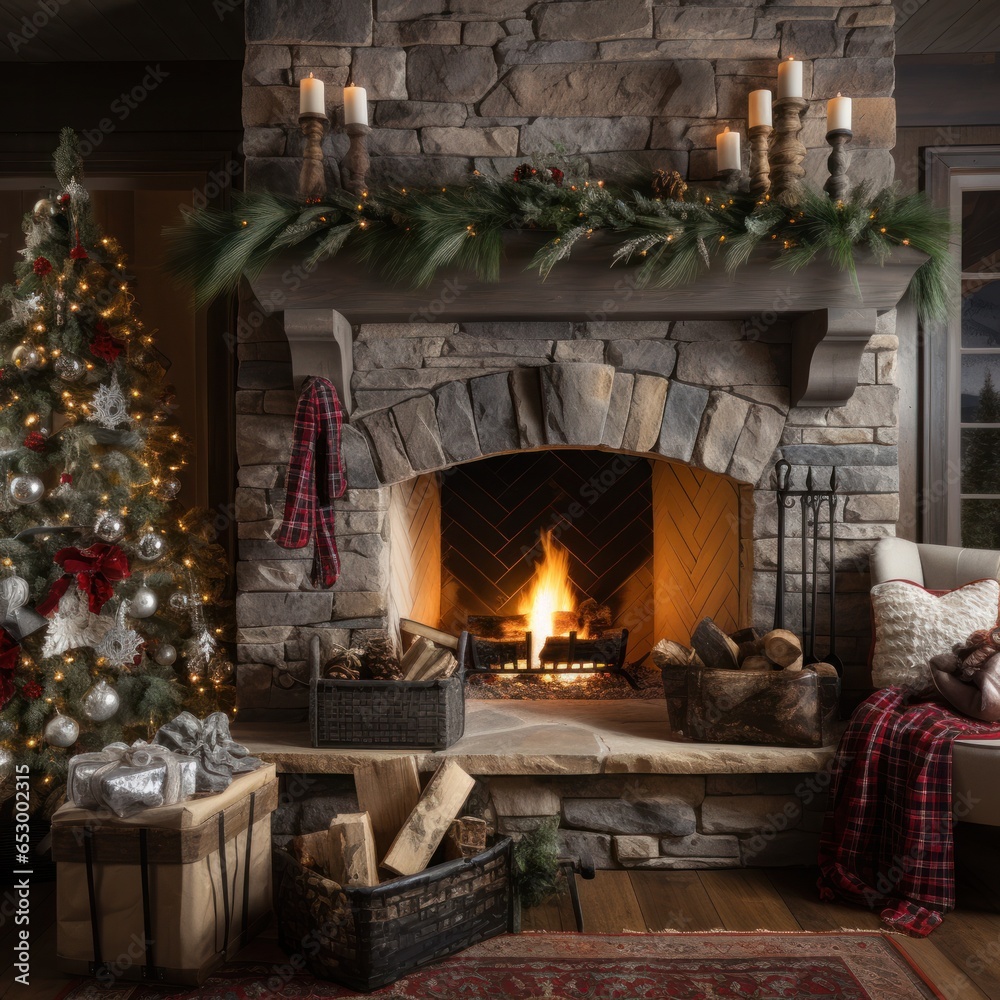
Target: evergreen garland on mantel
[(408, 235)]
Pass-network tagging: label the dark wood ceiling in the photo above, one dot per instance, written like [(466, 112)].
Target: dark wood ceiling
[(947, 26), (121, 30)]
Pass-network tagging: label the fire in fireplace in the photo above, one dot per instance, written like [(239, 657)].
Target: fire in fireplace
[(555, 635)]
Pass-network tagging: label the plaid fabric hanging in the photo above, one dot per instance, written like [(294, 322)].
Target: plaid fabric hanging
[(315, 478)]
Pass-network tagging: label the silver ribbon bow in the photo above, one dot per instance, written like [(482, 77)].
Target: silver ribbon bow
[(140, 754)]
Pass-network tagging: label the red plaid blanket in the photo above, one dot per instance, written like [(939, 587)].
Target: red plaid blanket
[(887, 839), (315, 478)]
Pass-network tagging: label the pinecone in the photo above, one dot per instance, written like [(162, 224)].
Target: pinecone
[(669, 185), (379, 660)]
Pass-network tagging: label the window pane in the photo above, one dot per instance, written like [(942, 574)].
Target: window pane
[(981, 230), (981, 388), (980, 461), (981, 314), (981, 524)]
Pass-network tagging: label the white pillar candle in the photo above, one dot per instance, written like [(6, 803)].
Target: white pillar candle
[(312, 98), (727, 150), (760, 108), (838, 114), (790, 78), (355, 106)]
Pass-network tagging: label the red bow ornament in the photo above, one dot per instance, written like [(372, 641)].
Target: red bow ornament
[(95, 569)]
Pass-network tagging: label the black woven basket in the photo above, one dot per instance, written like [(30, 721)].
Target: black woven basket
[(366, 938), (415, 715)]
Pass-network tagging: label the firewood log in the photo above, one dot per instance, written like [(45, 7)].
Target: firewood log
[(715, 648), (782, 646), (756, 663), (312, 850), (795, 665), (755, 647), (743, 635), (352, 858), (427, 824), (824, 669), (667, 653)]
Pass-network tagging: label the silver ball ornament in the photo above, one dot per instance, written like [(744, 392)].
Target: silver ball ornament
[(170, 488), (61, 731), (179, 601), (144, 603), (26, 489), (165, 655), (69, 368), (6, 765), (43, 209), (109, 527), (101, 702), (27, 356), (151, 546)]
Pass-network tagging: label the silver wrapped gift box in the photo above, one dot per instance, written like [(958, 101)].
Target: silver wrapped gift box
[(128, 779)]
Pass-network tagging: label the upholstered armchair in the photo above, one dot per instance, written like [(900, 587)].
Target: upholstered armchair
[(976, 763)]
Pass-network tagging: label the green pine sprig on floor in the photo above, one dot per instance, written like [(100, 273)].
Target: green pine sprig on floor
[(409, 236)]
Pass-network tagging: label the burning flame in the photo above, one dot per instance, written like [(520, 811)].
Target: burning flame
[(548, 593)]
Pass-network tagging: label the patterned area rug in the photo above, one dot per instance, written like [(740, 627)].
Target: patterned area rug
[(718, 966)]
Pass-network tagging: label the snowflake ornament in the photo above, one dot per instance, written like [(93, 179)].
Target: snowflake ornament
[(23, 310), (109, 405)]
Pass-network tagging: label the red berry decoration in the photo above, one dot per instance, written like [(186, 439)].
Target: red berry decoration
[(42, 266), (66, 478), (524, 172), (35, 441), (32, 690), (556, 176), (105, 347), (64, 199)]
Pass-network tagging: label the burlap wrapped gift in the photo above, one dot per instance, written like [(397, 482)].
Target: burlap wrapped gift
[(167, 894)]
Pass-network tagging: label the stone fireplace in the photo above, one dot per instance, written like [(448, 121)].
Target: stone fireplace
[(662, 412)]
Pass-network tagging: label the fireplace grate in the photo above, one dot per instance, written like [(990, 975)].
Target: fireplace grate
[(562, 655)]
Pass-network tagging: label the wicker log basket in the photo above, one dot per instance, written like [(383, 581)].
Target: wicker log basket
[(366, 938)]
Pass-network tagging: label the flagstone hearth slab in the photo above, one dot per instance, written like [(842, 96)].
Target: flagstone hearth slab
[(546, 737)]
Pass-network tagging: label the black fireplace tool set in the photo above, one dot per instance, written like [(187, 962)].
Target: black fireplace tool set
[(811, 502)]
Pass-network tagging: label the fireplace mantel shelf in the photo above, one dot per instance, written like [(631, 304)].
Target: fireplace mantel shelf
[(832, 323), (547, 737)]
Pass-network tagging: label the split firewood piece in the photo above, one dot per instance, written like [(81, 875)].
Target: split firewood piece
[(824, 669), (796, 664), (716, 649), (466, 837), (312, 850), (782, 646), (427, 824), (440, 638), (387, 790), (756, 663), (418, 648), (352, 850), (667, 653), (743, 635), (427, 654), (442, 664)]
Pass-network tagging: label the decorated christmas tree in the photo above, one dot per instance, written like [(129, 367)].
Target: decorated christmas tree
[(104, 578)]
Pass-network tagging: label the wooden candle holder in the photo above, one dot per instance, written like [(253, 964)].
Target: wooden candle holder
[(838, 185), (354, 168), (760, 164), (312, 178), (788, 152)]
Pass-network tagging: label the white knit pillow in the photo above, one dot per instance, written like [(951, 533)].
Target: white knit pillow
[(913, 624)]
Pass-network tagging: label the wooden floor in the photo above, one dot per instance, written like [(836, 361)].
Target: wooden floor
[(962, 957)]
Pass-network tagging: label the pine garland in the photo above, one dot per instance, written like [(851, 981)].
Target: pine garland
[(408, 236)]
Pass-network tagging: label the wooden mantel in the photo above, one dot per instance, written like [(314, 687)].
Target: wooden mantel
[(832, 323)]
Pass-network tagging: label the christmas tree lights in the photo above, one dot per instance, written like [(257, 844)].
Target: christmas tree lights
[(92, 536)]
